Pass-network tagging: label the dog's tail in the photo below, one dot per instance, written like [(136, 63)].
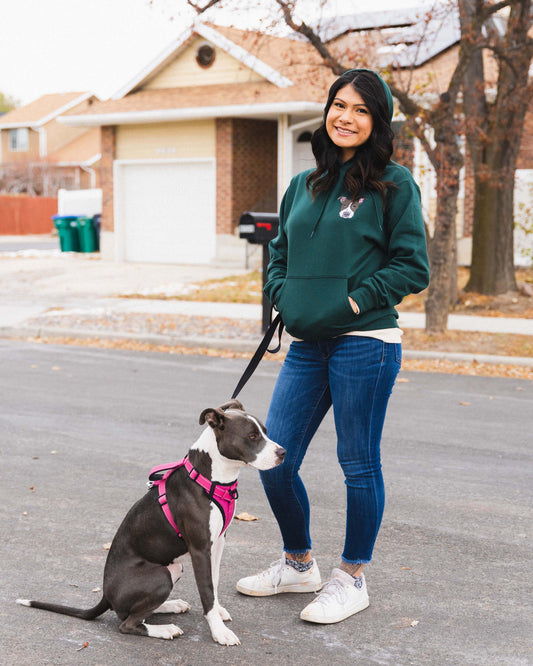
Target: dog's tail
[(90, 614)]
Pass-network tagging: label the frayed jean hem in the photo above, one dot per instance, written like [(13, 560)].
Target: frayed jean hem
[(296, 552), (355, 561)]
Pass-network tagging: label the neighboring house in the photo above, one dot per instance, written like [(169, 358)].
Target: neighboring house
[(38, 155), (220, 122)]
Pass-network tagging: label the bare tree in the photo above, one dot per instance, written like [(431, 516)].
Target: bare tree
[(39, 178), (494, 131)]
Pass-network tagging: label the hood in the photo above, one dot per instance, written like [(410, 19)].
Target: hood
[(386, 88)]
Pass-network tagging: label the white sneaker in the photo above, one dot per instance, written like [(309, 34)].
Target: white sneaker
[(281, 577), (339, 598)]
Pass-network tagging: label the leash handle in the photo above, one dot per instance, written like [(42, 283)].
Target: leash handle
[(260, 352)]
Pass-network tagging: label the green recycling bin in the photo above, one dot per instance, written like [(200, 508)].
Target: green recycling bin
[(87, 234), (67, 228)]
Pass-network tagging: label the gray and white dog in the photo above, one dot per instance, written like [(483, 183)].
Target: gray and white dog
[(144, 561)]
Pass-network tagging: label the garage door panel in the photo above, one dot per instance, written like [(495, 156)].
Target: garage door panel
[(168, 211)]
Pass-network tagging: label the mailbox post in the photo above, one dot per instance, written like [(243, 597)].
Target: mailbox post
[(260, 229)]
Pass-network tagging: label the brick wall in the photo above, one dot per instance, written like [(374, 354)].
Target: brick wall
[(105, 175), (224, 169), (255, 166), (246, 153)]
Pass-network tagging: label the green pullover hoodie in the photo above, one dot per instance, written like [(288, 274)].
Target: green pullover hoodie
[(332, 248)]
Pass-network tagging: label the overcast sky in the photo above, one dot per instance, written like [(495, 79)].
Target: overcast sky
[(51, 46)]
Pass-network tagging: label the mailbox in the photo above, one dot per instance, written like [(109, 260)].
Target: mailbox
[(258, 228)]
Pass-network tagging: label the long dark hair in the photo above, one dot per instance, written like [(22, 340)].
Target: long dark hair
[(372, 157)]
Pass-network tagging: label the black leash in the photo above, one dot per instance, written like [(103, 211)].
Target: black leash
[(260, 352)]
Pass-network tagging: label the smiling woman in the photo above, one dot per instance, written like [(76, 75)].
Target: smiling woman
[(351, 245), (348, 122)]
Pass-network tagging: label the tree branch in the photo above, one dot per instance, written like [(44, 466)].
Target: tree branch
[(489, 10), (315, 41), (200, 10)]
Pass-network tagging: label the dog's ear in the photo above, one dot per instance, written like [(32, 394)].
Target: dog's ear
[(232, 404), (213, 417)]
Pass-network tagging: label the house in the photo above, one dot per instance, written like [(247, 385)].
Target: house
[(213, 127), (219, 123), (38, 155)]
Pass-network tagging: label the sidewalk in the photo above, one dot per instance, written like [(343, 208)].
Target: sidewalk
[(44, 293)]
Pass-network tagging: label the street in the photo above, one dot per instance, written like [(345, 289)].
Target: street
[(451, 578)]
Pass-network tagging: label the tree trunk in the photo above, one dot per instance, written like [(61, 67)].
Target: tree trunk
[(492, 269), (448, 161), (440, 259), (494, 135)]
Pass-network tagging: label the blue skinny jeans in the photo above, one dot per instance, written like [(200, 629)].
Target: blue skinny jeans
[(356, 376)]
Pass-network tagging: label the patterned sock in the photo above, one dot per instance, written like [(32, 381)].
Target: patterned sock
[(299, 566), (358, 582)]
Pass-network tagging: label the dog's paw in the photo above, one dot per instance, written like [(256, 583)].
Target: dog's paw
[(220, 633), (174, 606), (183, 606), (225, 636), (165, 631), (226, 617)]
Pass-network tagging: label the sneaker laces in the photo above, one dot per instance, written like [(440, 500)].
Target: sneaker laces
[(334, 589), (274, 572)]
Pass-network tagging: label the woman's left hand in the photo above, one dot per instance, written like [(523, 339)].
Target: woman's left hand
[(354, 305)]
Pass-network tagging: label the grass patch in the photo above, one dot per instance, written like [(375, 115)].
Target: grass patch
[(245, 288)]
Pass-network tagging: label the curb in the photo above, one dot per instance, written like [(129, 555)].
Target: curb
[(243, 346), (166, 340), (460, 357)]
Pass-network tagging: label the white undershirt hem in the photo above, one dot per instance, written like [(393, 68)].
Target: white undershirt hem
[(392, 335)]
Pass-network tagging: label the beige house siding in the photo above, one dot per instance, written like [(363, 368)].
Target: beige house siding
[(4, 145), (58, 135), (10, 157), (184, 71), (166, 140)]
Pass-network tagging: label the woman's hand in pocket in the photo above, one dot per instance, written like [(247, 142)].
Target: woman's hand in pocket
[(354, 305)]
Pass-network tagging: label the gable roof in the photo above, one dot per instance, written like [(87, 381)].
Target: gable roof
[(42, 110), (297, 78), (215, 35)]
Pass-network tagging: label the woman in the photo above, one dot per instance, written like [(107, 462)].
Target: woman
[(351, 245)]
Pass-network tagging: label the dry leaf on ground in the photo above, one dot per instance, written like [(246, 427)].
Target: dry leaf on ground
[(246, 516)]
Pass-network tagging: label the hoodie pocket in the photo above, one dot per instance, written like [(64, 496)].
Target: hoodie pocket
[(315, 308)]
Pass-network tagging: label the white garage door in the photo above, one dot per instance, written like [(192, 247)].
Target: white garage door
[(166, 211)]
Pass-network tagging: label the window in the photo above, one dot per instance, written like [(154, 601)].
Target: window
[(19, 140)]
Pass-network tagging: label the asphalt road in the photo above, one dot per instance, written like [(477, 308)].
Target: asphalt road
[(451, 578), (16, 244)]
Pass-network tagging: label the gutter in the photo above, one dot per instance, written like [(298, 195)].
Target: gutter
[(193, 113)]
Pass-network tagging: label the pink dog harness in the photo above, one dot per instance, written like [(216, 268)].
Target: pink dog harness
[(223, 495)]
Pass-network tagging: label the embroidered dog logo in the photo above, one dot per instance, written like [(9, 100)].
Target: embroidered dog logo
[(348, 207)]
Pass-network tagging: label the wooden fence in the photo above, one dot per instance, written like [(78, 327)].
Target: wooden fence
[(21, 214)]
